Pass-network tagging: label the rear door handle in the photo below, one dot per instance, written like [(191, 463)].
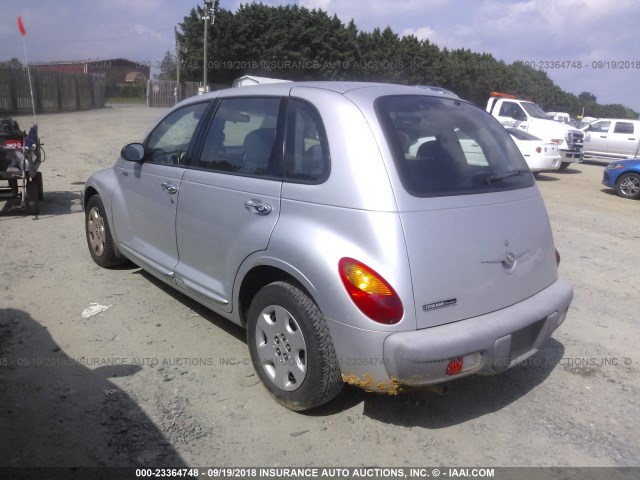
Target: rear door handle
[(257, 207), (169, 188)]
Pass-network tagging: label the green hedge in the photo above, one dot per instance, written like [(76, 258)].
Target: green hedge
[(125, 90)]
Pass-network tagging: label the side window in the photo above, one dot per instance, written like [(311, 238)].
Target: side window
[(600, 127), (512, 110), (623, 127), (169, 141), (241, 138), (506, 109), (306, 153)]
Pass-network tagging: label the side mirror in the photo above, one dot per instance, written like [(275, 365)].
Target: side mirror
[(134, 152)]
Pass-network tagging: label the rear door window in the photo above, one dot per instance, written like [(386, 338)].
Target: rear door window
[(448, 147), (242, 138), (623, 127)]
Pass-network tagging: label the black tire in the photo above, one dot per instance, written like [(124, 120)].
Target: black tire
[(40, 183), (292, 350), (628, 186), (98, 233), (13, 185), (564, 165), (31, 200)]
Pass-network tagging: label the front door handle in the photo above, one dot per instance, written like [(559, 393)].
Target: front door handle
[(257, 207), (169, 188)]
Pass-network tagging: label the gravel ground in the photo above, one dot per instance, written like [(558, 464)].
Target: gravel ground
[(157, 380)]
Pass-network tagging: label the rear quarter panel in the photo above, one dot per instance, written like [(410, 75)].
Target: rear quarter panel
[(312, 238)]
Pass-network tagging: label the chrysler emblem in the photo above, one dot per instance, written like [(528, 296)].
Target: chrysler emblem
[(508, 260)]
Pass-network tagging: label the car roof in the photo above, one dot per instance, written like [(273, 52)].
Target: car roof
[(338, 87)]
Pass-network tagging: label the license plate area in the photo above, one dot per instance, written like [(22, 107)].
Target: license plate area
[(523, 340)]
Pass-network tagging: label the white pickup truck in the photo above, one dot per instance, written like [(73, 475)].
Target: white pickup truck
[(612, 138), (528, 116)]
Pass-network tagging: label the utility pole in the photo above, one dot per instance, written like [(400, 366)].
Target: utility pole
[(208, 10), (178, 62)]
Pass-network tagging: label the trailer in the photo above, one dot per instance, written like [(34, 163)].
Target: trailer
[(21, 154)]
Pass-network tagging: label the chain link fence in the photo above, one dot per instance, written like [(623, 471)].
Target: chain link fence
[(162, 93)]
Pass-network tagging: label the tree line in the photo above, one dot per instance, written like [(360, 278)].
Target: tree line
[(295, 43)]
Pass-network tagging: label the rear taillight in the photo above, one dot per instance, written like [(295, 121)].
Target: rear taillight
[(538, 150), (371, 293), (455, 366), (557, 258), (459, 365)]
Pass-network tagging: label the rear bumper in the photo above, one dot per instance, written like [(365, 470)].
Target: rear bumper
[(489, 343), (543, 163)]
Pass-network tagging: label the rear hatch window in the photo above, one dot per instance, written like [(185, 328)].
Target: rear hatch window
[(444, 147)]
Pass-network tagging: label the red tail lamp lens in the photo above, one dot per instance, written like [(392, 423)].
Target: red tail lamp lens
[(557, 258), (371, 293), (455, 366)]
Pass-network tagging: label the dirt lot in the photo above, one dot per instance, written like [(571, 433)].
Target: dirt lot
[(158, 380)]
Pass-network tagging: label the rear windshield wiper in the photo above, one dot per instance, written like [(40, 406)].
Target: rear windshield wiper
[(496, 178)]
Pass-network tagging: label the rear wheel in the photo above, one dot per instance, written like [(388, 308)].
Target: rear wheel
[(99, 239), (291, 348), (628, 186)]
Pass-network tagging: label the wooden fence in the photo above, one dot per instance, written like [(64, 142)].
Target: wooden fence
[(52, 91)]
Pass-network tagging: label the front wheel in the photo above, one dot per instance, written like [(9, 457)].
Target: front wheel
[(564, 165), (628, 186), (291, 347), (39, 182), (99, 237), (32, 197)]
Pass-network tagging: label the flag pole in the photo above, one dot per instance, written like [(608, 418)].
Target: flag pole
[(23, 33)]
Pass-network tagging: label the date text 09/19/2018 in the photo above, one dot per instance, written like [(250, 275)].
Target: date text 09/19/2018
[(457, 64)]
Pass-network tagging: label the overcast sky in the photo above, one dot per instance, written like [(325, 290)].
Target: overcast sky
[(590, 36)]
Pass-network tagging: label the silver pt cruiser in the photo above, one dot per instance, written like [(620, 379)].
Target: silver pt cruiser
[(380, 235)]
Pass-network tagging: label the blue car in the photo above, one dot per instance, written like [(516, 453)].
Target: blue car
[(624, 177)]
